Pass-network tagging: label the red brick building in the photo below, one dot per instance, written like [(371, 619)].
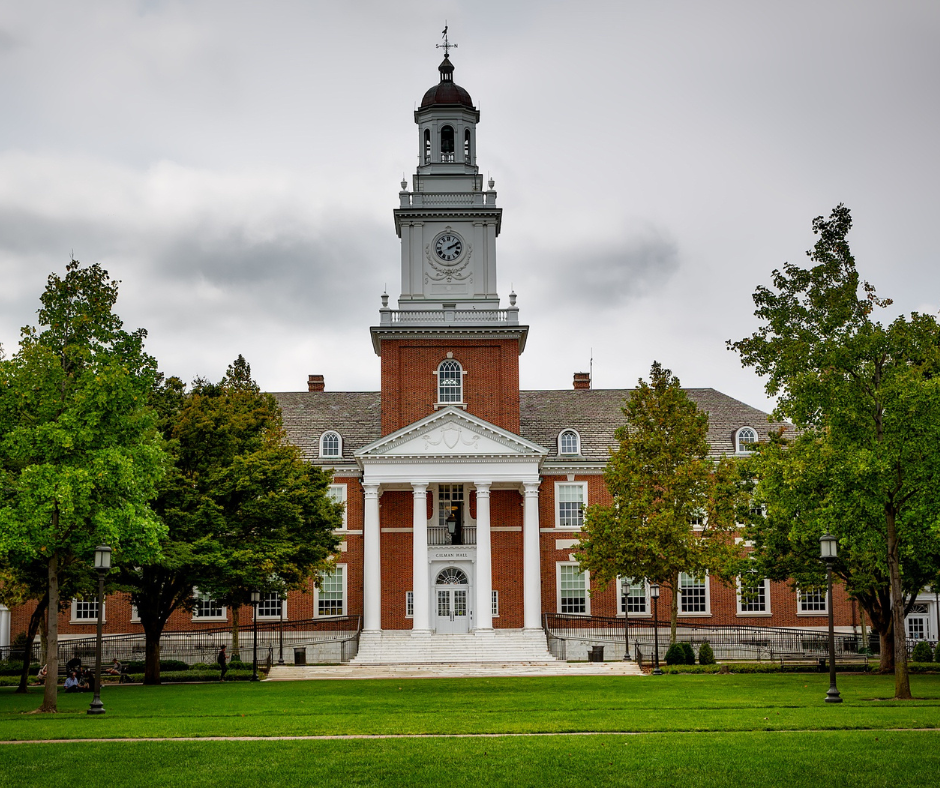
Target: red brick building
[(463, 493)]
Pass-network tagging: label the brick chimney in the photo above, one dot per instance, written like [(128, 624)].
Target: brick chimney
[(315, 383), (582, 380)]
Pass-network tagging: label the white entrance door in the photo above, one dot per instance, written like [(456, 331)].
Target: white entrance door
[(452, 590)]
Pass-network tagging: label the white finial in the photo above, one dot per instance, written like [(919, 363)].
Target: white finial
[(512, 298), (385, 297), (492, 183), (404, 183)]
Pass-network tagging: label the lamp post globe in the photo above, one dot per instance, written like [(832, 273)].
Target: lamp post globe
[(102, 565), (828, 552)]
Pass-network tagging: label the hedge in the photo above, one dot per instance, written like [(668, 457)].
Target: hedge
[(14, 667)]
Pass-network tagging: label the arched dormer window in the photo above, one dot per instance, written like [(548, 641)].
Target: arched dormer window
[(427, 146), (744, 440), (447, 143), (449, 382), (466, 147), (331, 444), (569, 442)]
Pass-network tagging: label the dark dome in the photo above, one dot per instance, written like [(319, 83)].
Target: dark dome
[(446, 91)]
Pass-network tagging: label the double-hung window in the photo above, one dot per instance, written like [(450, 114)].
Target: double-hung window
[(572, 590), (270, 605), (812, 602), (693, 594), (570, 499), (753, 599), (331, 595), (633, 597)]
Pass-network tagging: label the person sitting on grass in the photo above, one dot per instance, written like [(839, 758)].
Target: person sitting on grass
[(115, 669), (72, 684)]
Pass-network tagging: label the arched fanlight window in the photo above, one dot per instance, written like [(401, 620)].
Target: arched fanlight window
[(331, 444), (745, 439), (449, 382), (569, 442), (427, 146), (452, 576), (447, 143), (466, 146)]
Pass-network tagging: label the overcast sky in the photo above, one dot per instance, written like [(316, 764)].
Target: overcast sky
[(236, 165)]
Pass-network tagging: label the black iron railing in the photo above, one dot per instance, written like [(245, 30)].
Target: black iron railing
[(728, 642), (333, 639)]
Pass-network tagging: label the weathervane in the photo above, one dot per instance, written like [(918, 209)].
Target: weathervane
[(446, 46)]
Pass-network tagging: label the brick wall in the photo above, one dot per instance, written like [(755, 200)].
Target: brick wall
[(506, 512), (396, 511), (409, 385)]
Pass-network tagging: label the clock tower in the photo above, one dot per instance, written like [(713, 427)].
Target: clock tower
[(449, 308)]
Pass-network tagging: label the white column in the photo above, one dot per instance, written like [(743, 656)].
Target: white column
[(531, 563), (372, 563), (419, 558), (4, 626), (484, 569)]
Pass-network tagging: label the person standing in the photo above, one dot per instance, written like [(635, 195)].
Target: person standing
[(223, 664)]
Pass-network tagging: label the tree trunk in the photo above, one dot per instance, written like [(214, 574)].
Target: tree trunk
[(886, 663), (34, 621), (861, 619), (902, 681), (43, 645), (235, 653), (49, 700), (152, 633)]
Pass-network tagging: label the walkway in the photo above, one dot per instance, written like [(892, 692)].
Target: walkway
[(452, 670)]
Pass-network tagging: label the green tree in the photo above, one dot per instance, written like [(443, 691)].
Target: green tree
[(662, 478), (242, 508), (78, 444), (866, 397)]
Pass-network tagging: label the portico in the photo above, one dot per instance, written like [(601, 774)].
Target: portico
[(450, 461)]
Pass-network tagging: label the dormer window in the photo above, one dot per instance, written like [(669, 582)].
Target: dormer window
[(449, 383), (331, 444), (447, 144), (569, 442), (744, 440)]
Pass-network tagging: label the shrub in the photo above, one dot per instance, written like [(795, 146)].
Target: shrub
[(675, 655), (12, 667), (689, 653), (705, 654), (137, 666), (922, 652)]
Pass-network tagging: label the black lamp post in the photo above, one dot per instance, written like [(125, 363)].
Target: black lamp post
[(255, 599), (102, 564), (626, 624), (280, 633), (828, 551), (654, 595)]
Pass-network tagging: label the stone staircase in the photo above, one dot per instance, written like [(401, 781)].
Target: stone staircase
[(452, 670), (407, 648)]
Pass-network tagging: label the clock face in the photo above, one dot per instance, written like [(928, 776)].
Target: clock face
[(448, 247)]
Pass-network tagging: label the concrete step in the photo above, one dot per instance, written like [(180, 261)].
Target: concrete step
[(498, 646)]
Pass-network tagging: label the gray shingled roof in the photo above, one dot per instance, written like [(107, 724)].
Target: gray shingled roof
[(594, 413)]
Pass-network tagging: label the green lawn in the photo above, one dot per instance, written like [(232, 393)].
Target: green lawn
[(757, 730)]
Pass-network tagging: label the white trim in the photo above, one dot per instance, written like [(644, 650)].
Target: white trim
[(737, 438), (135, 615), (341, 498), (495, 607), (708, 597), (752, 614), (587, 587), (331, 456), (316, 594), (620, 610), (458, 403), (409, 602), (577, 436), (94, 620), (584, 503)]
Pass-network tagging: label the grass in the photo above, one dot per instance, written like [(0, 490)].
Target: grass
[(753, 730)]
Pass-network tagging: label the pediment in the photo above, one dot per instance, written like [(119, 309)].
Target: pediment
[(451, 433)]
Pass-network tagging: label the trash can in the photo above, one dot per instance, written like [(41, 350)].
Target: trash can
[(596, 654), (823, 662), (300, 655)]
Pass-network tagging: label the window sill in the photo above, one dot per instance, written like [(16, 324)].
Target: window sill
[(439, 405), (814, 614), (706, 614), (90, 621), (637, 616), (210, 618), (755, 615)]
